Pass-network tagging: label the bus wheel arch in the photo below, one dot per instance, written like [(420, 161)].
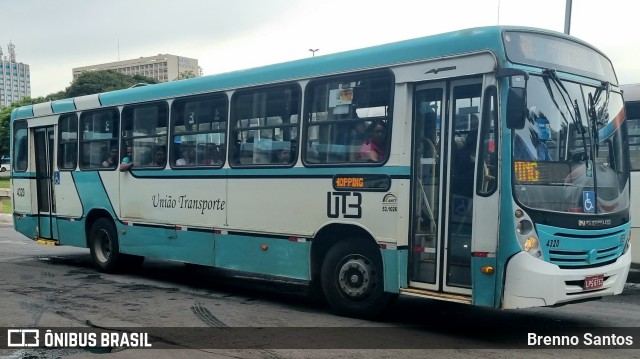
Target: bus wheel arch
[(104, 245), (347, 267), (92, 217)]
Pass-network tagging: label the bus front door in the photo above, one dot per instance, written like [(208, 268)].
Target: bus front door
[(45, 181), (445, 133)]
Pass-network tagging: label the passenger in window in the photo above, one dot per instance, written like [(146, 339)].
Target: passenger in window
[(112, 160), (375, 147), (159, 158), (127, 160), (188, 157), (282, 156), (211, 156)]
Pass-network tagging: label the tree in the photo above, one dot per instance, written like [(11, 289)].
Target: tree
[(92, 82)]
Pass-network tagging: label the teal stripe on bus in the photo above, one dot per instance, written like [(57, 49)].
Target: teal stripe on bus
[(91, 192), (393, 171)]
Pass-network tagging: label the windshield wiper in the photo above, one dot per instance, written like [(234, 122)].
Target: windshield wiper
[(574, 111), (596, 115)]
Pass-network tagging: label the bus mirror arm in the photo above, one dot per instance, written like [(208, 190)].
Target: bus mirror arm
[(517, 96)]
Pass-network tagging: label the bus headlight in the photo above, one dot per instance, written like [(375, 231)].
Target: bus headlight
[(530, 243), (524, 227), (526, 234)]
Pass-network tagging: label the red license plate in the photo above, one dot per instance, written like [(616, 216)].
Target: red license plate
[(593, 282)]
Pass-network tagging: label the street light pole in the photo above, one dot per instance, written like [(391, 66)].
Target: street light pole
[(567, 17), (313, 52)]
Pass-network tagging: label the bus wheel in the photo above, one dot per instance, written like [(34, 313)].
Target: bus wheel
[(352, 280), (104, 247)]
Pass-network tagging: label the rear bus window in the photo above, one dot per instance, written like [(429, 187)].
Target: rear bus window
[(20, 146)]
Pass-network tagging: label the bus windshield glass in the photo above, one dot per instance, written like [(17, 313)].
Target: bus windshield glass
[(557, 53), (557, 165)]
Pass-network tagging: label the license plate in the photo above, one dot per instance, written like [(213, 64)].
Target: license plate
[(593, 282)]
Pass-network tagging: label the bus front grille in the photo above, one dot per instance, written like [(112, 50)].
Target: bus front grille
[(579, 259)]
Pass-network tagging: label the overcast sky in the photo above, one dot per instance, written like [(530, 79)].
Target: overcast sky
[(53, 37)]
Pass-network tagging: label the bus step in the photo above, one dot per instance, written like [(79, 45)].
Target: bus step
[(47, 242), (436, 295)]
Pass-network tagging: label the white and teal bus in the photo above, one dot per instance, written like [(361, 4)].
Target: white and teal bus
[(631, 94), (500, 178)]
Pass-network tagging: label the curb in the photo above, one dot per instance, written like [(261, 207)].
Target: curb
[(6, 218)]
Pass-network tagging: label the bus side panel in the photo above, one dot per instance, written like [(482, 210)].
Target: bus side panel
[(195, 247), (23, 195), (302, 206), (24, 204), (66, 197), (91, 192), (71, 232), (395, 274), (171, 199), (484, 285), (264, 255), (26, 225)]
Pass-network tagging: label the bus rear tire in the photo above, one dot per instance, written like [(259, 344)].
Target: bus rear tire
[(353, 281), (104, 246)]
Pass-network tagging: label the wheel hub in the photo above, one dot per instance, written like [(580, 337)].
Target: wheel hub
[(355, 278), (103, 249)]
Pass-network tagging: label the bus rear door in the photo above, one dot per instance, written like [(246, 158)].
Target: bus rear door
[(45, 182)]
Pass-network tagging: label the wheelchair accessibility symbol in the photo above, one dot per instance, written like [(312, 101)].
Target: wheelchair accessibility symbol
[(589, 201)]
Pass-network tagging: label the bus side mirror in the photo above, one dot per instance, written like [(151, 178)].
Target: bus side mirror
[(516, 98), (516, 108)]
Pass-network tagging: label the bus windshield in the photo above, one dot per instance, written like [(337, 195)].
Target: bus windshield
[(557, 164)]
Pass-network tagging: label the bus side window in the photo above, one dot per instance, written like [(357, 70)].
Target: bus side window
[(264, 122), (198, 131), (487, 152), (340, 109)]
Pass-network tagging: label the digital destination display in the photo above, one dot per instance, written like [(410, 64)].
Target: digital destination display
[(532, 172), (361, 182)]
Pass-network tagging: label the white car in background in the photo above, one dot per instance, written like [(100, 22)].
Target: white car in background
[(5, 165)]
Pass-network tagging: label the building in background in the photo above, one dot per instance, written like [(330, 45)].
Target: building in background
[(163, 68), (15, 78)]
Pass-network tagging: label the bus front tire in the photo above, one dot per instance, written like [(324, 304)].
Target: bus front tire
[(352, 280), (104, 246)]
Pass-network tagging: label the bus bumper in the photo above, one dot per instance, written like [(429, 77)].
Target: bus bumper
[(531, 282)]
